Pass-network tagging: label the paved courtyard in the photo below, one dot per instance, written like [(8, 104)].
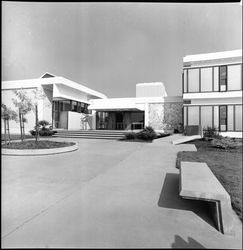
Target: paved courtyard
[(106, 194)]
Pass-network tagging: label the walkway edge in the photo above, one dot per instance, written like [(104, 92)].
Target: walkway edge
[(33, 152)]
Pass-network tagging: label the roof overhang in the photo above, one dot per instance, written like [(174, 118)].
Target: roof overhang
[(213, 56)]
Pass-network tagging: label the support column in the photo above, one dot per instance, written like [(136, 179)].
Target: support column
[(146, 114), (93, 119)]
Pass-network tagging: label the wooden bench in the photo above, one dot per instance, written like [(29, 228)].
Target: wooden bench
[(198, 182)]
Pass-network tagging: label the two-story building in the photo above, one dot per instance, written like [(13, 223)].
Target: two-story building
[(212, 91)]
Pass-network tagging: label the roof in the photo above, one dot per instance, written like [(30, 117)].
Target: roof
[(213, 56), (47, 75), (49, 79)]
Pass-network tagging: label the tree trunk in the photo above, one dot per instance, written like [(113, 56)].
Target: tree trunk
[(36, 124), (20, 122)]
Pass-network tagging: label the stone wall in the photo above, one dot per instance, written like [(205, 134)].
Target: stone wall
[(163, 115)]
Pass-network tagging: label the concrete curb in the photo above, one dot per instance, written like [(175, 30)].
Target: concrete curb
[(33, 152)]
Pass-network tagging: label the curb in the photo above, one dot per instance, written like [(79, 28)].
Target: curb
[(36, 152)]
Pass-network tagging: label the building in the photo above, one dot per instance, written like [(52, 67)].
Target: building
[(212, 91), (69, 105), (60, 101), (151, 107), (212, 96)]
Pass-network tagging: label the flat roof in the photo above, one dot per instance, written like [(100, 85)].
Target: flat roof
[(34, 83), (213, 56)]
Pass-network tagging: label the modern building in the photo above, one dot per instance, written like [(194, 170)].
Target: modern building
[(60, 101), (212, 96), (151, 107), (212, 91)]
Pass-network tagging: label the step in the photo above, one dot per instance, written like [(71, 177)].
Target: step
[(89, 133), (81, 135), (77, 134), (89, 137)]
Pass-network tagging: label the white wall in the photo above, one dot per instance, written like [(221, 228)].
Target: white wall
[(153, 89), (75, 121), (14, 127), (210, 101)]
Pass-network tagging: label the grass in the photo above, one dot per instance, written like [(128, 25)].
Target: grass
[(225, 164), (16, 137), (32, 144)]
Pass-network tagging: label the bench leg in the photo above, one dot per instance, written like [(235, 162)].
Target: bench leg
[(226, 220)]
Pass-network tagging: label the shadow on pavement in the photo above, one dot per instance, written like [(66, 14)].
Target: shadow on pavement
[(180, 243), (169, 198)]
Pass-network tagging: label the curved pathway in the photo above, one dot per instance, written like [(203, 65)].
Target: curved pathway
[(106, 194)]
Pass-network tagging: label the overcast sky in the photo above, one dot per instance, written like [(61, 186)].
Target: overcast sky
[(110, 47)]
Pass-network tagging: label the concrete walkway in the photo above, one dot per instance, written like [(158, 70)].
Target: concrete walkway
[(109, 194)]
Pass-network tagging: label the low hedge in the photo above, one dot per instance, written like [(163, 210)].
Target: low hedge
[(147, 134), (43, 132)]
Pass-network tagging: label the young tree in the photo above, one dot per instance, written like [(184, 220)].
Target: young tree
[(25, 104), (7, 114)]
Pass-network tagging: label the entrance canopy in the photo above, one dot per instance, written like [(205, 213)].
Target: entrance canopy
[(116, 104)]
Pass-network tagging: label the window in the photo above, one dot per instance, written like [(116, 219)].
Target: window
[(184, 75), (234, 77), (193, 80), (216, 117), (216, 79), (193, 115), (206, 116), (223, 78), (187, 101), (206, 79), (223, 118), (185, 115), (238, 117), (74, 106), (66, 105), (230, 116)]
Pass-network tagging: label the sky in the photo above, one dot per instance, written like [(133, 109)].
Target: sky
[(110, 47)]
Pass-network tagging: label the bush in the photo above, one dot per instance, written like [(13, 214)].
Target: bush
[(211, 133), (224, 143), (147, 134), (44, 125), (45, 132), (130, 136)]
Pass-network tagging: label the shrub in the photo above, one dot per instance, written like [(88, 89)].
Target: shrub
[(45, 132), (130, 136), (147, 134), (224, 143), (44, 125), (211, 133)]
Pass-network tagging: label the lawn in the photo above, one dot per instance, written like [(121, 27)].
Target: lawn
[(32, 144), (16, 137), (225, 164)]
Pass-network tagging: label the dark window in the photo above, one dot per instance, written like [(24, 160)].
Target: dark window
[(223, 78), (223, 118), (187, 101), (74, 106)]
